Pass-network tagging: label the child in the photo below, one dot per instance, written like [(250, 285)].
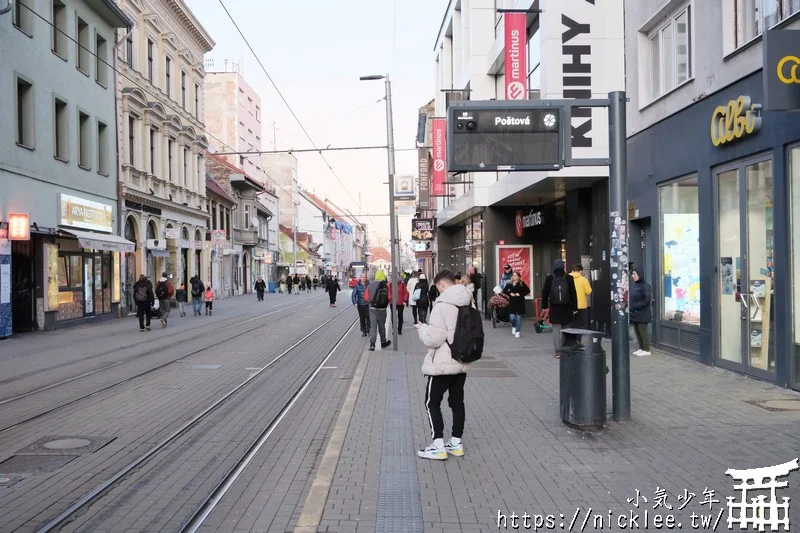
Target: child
[(209, 297), (181, 297)]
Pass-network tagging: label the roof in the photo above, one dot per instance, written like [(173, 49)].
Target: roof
[(117, 15), (326, 207), (235, 170), (213, 186), (380, 253), (288, 232)]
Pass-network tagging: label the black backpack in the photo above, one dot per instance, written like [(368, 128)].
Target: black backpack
[(140, 294), (467, 343), (161, 290), (559, 291), (196, 290), (380, 300)]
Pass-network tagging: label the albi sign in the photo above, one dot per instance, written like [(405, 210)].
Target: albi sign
[(734, 121)]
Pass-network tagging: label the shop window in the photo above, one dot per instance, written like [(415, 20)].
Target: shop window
[(670, 53), (70, 272), (680, 251), (83, 52), (794, 180)]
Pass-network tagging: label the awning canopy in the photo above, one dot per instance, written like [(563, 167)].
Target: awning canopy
[(101, 241), (158, 252)]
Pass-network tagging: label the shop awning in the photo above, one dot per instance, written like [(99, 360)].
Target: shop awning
[(158, 252), (101, 241)]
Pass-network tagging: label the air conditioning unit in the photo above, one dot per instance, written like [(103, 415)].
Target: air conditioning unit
[(157, 243)]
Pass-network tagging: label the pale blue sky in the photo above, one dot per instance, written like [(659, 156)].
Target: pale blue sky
[(315, 53)]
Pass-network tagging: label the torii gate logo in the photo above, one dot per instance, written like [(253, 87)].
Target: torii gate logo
[(759, 512)]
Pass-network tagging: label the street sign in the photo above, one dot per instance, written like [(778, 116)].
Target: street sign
[(496, 135)]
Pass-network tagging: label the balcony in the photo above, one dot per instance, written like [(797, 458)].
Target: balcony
[(245, 237)]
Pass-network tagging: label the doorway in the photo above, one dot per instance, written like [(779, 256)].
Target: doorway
[(22, 286), (745, 244)]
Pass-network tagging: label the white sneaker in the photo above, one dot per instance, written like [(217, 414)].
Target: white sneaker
[(516, 334), (432, 452), (454, 449), (513, 330), (643, 353), (637, 352)]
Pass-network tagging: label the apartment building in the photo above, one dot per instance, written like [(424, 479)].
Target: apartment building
[(59, 253), (163, 140), (714, 181)]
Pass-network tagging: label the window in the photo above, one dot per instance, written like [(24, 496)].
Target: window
[(129, 49), (150, 60), (196, 100), (102, 148), (60, 38), (84, 141), (170, 153), (183, 89), (70, 271), (101, 60), (61, 131), (223, 217), (131, 141), (23, 16), (258, 113), (83, 50), (670, 54), (152, 151), (752, 17), (168, 76), (25, 118), (247, 217), (680, 232), (185, 166), (214, 215)]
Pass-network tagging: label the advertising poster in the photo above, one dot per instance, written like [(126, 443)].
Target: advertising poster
[(516, 63), (520, 257), (422, 229)]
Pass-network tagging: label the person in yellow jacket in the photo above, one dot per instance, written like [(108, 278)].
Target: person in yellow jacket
[(583, 290)]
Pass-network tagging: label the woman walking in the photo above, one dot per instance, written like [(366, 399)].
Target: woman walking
[(424, 301), (516, 290), (640, 312), (333, 288)]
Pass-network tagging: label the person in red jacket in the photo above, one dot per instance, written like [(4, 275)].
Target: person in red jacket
[(402, 299)]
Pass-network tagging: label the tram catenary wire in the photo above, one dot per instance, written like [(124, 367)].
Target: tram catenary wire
[(96, 493), (155, 350)]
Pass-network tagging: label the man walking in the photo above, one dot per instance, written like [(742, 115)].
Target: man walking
[(412, 286), (402, 300), (164, 291), (444, 373), (197, 294), (357, 299), (560, 301), (144, 297), (379, 298), (582, 290)]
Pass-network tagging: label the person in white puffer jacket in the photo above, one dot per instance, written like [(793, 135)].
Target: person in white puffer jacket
[(444, 373)]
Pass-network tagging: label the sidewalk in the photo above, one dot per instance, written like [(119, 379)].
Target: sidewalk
[(690, 423)]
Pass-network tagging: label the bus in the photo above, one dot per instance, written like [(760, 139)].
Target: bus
[(354, 272)]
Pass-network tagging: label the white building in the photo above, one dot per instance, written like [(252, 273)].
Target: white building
[(57, 164), (163, 140)]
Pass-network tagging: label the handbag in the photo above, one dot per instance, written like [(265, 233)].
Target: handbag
[(417, 294), (155, 304)]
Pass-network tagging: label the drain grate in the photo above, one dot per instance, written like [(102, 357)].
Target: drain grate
[(34, 464), (482, 363), (777, 405), (491, 373), (60, 445)]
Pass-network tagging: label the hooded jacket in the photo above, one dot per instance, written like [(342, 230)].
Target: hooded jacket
[(357, 296), (640, 298), (560, 313), (402, 293), (582, 289), (441, 329)]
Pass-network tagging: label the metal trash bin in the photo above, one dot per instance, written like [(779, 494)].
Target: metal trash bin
[(582, 378)]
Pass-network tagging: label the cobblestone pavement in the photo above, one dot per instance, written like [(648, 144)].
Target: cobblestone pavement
[(690, 423)]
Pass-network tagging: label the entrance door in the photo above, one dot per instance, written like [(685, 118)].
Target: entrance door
[(88, 285), (745, 239), (22, 286)]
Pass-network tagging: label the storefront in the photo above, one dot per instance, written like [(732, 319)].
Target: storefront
[(727, 214)]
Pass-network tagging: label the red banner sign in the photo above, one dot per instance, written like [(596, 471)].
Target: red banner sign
[(516, 56), (439, 155), (520, 258)]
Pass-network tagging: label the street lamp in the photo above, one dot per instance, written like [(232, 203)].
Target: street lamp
[(392, 220)]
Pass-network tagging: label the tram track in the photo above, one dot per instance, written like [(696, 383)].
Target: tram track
[(137, 356), (80, 506)]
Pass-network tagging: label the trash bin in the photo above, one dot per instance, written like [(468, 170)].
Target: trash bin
[(582, 379), (271, 287)]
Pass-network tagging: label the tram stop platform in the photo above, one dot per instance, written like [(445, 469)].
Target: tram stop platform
[(690, 423)]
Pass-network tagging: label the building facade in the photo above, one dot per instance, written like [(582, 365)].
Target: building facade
[(574, 50), (714, 215), (162, 140), (58, 177), (219, 243)]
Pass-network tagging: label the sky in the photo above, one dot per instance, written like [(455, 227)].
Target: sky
[(315, 53)]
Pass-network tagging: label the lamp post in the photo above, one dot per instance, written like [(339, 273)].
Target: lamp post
[(392, 220)]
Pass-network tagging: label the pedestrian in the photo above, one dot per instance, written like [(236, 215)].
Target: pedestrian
[(260, 287), (296, 283), (197, 294), (505, 277), (414, 295), (333, 288), (516, 290), (433, 294), (475, 278), (308, 283), (402, 301), (181, 298), (379, 298), (144, 297), (164, 291), (559, 301), (423, 302), (583, 290), (302, 284), (209, 298), (357, 298), (289, 282), (315, 281), (641, 314), (444, 374)]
